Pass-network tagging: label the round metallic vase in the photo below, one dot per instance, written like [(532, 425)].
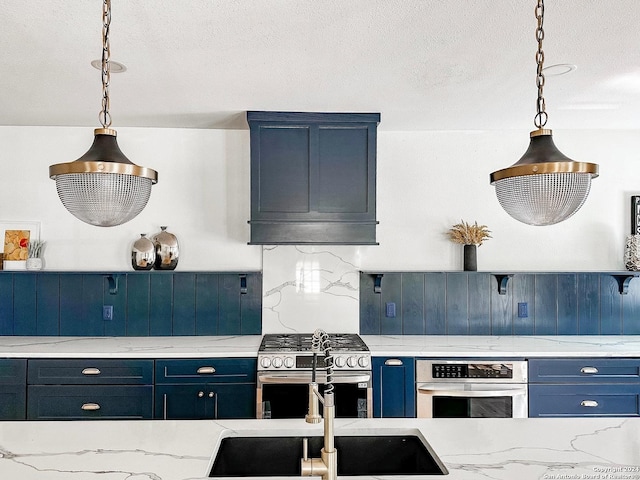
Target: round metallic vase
[(167, 250), (143, 253)]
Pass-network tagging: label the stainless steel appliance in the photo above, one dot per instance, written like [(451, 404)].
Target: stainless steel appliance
[(471, 388), (285, 364)]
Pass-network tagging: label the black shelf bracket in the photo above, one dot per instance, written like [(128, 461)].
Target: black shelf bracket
[(243, 284), (113, 284), (503, 280), (377, 283), (623, 281)]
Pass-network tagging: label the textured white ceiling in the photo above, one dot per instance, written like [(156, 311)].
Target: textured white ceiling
[(424, 64)]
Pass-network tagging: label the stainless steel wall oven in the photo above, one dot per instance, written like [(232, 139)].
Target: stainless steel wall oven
[(285, 364), (471, 388)]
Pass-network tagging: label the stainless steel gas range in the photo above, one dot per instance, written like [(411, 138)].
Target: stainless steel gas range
[(285, 364)]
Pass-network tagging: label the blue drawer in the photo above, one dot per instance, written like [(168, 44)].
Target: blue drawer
[(65, 402), (90, 372), (209, 370), (587, 370), (580, 400)]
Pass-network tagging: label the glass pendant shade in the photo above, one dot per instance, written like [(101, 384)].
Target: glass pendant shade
[(103, 187), (544, 187)]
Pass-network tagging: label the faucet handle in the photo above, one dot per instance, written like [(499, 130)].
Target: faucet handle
[(314, 407)]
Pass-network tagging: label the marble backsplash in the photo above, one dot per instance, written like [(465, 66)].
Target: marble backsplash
[(309, 287)]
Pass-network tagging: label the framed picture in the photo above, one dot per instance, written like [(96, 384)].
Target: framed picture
[(635, 214), (15, 238)]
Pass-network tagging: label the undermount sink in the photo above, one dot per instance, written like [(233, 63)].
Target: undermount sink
[(257, 456)]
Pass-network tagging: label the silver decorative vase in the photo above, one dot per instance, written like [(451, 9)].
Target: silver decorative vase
[(632, 253), (167, 250), (143, 253)]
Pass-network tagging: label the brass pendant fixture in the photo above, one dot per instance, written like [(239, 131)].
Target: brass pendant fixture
[(544, 187), (103, 187)]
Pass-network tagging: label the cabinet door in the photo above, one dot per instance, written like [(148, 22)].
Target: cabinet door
[(313, 177), (394, 387), (71, 402), (205, 401), (13, 389), (584, 400), (183, 402)]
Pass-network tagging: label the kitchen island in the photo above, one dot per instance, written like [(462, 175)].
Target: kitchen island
[(596, 448)]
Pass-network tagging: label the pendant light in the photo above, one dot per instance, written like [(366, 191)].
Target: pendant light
[(103, 187), (544, 187)]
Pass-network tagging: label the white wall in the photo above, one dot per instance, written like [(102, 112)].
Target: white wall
[(426, 182)]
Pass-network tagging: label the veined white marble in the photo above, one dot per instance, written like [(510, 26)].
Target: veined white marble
[(379, 345), (498, 449), (130, 347), (516, 346), (309, 287)]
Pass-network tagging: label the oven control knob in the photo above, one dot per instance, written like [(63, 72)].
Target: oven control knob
[(276, 362), (288, 362), (352, 362), (265, 362), (339, 362), (363, 362)]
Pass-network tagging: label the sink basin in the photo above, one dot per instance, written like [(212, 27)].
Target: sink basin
[(357, 455)]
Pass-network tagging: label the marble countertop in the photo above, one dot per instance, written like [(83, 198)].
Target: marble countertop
[(499, 449), (380, 345), (501, 346)]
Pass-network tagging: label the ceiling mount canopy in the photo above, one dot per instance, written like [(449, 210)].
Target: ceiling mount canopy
[(544, 187), (103, 187)]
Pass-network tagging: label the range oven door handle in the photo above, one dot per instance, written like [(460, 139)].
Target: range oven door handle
[(320, 378), (444, 392)]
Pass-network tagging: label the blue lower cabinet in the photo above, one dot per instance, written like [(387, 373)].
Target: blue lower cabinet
[(394, 391), (13, 389), (205, 401), (13, 402), (580, 400), (97, 402)]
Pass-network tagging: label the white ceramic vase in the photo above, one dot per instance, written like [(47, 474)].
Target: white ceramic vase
[(34, 263)]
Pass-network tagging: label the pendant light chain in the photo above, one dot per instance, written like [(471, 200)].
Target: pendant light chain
[(105, 116), (541, 117)]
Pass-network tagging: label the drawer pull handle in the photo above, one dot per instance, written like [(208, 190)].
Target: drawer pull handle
[(203, 370), (588, 403), (91, 371), (90, 407), (393, 362), (589, 370)]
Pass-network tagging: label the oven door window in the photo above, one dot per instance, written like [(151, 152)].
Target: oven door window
[(479, 407), (292, 400)]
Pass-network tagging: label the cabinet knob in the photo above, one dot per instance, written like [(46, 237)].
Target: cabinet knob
[(200, 394), (91, 371), (588, 403), (210, 394), (205, 370), (90, 407), (589, 370)]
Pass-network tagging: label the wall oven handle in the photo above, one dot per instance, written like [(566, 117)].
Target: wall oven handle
[(472, 393)]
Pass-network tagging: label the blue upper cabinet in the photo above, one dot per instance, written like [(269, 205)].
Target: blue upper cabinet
[(313, 178)]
